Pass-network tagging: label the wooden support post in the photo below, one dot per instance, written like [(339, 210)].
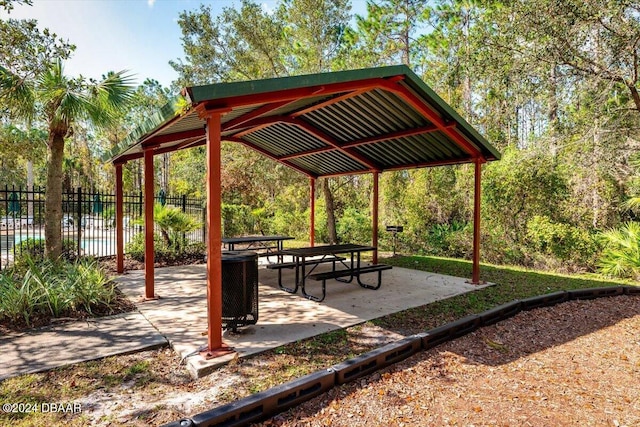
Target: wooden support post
[(374, 216), (475, 277), (312, 215), (215, 346), (119, 221), (149, 257)]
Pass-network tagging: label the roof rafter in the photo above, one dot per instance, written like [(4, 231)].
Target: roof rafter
[(261, 123), (435, 163), (169, 137), (416, 103), (365, 141), (332, 101), (269, 155), (267, 108)]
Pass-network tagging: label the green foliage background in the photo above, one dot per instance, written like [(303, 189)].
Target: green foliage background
[(526, 74)]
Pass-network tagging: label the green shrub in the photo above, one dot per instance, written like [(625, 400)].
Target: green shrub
[(564, 242), (621, 254), (292, 223), (497, 248), (354, 227), (236, 220), (53, 289), (163, 253), (33, 249), (453, 239)]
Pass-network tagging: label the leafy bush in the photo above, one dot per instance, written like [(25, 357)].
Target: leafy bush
[(171, 243), (173, 224), (564, 242), (33, 249), (621, 254), (236, 219), (162, 252), (451, 240), (354, 227), (54, 288)]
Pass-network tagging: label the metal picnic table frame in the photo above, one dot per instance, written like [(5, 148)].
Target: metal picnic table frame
[(258, 243), (330, 252)]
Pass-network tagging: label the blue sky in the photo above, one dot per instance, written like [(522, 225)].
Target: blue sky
[(141, 36)]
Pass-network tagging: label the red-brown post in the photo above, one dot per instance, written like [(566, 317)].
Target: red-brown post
[(119, 221), (312, 215), (214, 239), (475, 278), (149, 257), (374, 216)]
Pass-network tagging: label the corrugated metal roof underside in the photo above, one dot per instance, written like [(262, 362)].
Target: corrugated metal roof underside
[(189, 122), (412, 150), (384, 126), (283, 139), (329, 163), (369, 114)]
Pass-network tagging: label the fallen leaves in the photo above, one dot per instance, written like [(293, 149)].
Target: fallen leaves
[(572, 364)]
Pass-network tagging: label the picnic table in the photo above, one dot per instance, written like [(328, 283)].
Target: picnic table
[(264, 245), (316, 255)]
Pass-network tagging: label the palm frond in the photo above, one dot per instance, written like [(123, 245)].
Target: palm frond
[(633, 204), (116, 91), (621, 256), (17, 94)]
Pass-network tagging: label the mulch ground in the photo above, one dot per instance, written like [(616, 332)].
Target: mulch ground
[(576, 363)]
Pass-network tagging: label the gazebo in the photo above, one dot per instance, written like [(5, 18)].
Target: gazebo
[(322, 125)]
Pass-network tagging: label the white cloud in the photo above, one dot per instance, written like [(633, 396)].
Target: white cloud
[(151, 3)]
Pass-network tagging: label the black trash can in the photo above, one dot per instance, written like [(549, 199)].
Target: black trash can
[(239, 289)]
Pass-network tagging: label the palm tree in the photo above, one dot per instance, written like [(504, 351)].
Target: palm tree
[(62, 102), (621, 255)]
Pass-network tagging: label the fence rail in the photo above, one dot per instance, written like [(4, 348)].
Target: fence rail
[(88, 219)]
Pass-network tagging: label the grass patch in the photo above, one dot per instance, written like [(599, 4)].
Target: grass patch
[(511, 283), (71, 384)]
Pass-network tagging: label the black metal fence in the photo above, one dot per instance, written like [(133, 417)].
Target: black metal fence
[(88, 220)]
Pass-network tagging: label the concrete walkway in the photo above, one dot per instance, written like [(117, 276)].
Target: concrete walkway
[(50, 347), (179, 317)]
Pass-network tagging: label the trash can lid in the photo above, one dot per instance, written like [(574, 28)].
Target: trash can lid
[(236, 256)]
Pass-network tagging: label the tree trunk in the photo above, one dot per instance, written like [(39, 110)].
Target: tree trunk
[(53, 199), (552, 112), (331, 214), (634, 95)]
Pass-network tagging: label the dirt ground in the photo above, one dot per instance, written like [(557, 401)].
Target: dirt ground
[(577, 363)]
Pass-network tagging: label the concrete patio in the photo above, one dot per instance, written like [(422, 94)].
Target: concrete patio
[(180, 313)]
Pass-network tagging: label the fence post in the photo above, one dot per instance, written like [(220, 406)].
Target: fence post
[(184, 210), (204, 224), (79, 226)]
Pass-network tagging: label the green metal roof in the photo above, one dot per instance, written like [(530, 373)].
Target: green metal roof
[(324, 124)]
